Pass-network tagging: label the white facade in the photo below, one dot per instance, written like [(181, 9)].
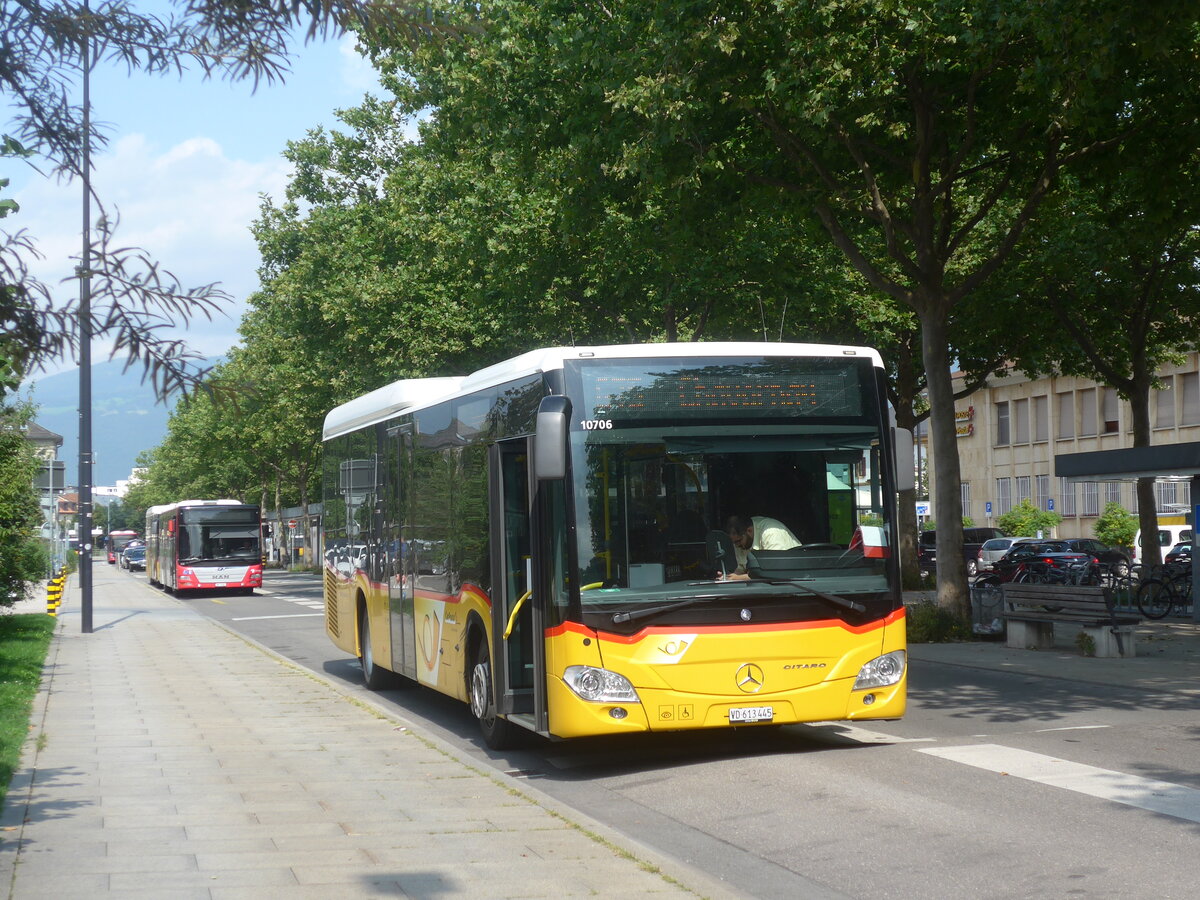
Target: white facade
[(1010, 432)]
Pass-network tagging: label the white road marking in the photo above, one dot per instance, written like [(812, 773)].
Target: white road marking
[(290, 616), (1071, 728), (863, 736), (1106, 784)]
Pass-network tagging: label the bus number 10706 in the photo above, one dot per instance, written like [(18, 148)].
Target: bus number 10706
[(596, 424)]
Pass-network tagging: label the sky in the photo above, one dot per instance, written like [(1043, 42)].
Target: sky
[(185, 165)]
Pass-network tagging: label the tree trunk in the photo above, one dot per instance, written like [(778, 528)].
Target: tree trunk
[(946, 493), (904, 399), (1150, 553)]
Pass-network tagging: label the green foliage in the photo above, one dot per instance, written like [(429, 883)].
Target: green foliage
[(929, 623), (24, 640), (1086, 643), (1116, 526), (21, 560), (1026, 520)]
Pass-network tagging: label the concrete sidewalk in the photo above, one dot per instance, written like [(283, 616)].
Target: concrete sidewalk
[(168, 757), (1167, 657)]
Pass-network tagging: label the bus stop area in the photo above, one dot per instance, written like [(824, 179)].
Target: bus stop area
[(170, 757), (1167, 653)]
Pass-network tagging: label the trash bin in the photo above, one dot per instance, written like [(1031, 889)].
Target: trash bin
[(987, 607)]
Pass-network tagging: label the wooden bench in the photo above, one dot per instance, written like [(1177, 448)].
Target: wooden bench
[(1030, 611)]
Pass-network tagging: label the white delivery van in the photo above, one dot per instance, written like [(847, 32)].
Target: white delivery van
[(1168, 537)]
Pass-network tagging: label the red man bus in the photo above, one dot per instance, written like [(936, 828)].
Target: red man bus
[(118, 541)]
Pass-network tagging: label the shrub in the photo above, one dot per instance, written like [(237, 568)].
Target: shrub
[(928, 623)]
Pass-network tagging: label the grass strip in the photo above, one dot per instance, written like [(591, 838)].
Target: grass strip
[(24, 640)]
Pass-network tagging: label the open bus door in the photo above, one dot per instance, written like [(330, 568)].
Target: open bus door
[(518, 618)]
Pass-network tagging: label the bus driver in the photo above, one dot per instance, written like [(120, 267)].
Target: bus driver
[(757, 533)]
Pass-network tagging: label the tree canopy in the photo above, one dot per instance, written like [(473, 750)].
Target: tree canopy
[(874, 171)]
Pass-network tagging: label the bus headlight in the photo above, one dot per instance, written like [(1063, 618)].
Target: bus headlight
[(882, 671), (599, 685)]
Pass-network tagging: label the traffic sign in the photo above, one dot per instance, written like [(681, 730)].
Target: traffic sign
[(292, 523), (988, 507)]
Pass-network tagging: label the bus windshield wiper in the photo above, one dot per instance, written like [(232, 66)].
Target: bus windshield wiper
[(642, 613), (843, 602)]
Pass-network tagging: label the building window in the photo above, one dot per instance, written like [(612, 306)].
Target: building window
[(1066, 415), (1066, 498), (1087, 412), (1112, 413), (1189, 414), (1003, 496), (1020, 421), (1043, 492), (1041, 419), (1165, 494), (1023, 485), (1002, 435), (1112, 492), (966, 499), (1164, 404), (1091, 498)]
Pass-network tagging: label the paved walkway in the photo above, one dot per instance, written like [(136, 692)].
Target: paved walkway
[(170, 758), (1167, 657)]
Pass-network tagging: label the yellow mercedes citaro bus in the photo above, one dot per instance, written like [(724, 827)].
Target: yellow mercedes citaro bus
[(549, 538)]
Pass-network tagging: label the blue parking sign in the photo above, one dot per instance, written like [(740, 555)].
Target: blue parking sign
[(1050, 504), (988, 507)]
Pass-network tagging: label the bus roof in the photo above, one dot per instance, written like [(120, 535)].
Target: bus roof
[(414, 393), (386, 402), (166, 507)]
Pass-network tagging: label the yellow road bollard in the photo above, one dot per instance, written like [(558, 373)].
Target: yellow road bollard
[(54, 592)]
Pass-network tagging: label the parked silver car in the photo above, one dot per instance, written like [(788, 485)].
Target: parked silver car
[(992, 550)]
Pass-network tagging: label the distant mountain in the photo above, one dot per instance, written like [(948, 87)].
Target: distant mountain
[(126, 417)]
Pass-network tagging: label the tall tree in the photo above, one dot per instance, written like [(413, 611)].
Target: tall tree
[(1115, 264), (923, 137), (21, 556)]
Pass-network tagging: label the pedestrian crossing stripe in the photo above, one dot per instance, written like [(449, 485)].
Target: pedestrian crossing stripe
[(1105, 784)]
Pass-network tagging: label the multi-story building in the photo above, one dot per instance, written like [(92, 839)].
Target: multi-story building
[(1010, 432)]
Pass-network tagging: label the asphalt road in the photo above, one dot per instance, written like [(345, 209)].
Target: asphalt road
[(993, 785)]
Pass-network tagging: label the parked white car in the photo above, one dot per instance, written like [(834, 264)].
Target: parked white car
[(992, 550)]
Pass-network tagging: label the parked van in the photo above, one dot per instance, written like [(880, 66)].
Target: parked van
[(1168, 537)]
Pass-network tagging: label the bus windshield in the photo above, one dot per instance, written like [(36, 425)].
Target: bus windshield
[(665, 454), (218, 536)]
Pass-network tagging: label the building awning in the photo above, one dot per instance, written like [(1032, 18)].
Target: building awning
[(1163, 461)]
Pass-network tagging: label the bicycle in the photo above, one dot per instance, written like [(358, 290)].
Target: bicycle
[(1044, 573), (1158, 596)]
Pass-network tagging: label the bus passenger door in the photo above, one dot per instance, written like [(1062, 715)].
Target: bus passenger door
[(517, 620), (401, 574)]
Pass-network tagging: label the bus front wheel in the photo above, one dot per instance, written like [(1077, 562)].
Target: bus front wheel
[(376, 678), (497, 732)]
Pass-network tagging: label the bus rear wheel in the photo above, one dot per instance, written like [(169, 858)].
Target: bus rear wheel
[(498, 733)]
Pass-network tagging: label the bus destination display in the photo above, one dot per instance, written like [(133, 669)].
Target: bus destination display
[(642, 392)]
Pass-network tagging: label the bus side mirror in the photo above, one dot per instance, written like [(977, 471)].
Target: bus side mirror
[(902, 440), (551, 440)]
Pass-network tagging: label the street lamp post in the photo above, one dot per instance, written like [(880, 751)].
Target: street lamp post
[(84, 528)]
